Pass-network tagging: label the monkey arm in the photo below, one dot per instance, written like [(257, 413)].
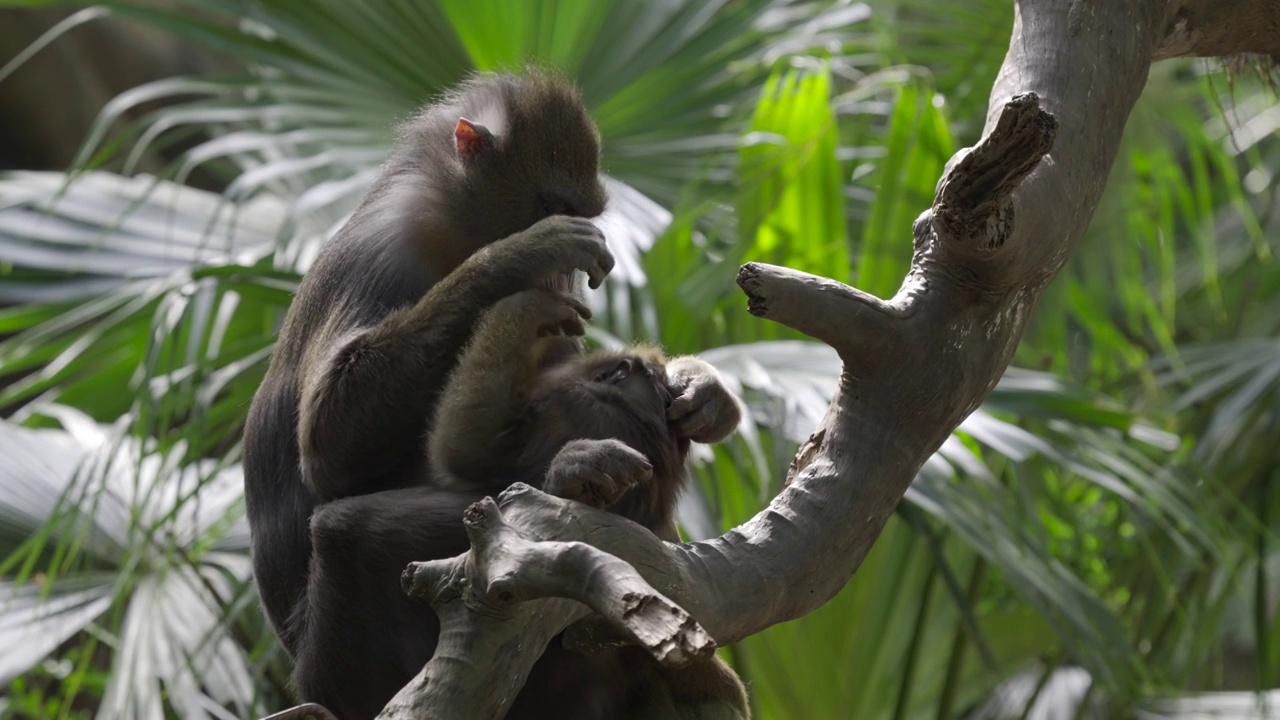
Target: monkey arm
[(366, 402), (488, 394), (365, 405), (704, 409)]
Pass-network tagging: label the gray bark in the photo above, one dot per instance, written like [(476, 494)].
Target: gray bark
[(1005, 219)]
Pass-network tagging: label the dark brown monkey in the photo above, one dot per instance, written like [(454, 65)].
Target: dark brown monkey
[(486, 195), (594, 428)]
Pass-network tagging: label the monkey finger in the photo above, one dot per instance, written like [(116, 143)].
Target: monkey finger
[(600, 268), (606, 489), (632, 468), (573, 327), (695, 424), (700, 422), (711, 423), (595, 276), (578, 306), (681, 406), (607, 262)]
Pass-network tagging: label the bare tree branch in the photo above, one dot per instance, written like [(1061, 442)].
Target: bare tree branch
[(514, 569), (1210, 28), (497, 579), (1005, 219), (845, 318)]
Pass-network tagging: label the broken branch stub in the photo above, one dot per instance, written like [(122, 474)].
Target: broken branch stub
[(854, 323), (973, 207)]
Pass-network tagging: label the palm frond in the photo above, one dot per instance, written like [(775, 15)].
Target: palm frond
[(87, 497)]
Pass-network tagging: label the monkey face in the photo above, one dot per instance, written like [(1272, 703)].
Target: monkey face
[(635, 383), (620, 396), (531, 152), (608, 395)]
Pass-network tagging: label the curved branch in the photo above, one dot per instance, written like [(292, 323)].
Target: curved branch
[(1210, 28), (1005, 219)]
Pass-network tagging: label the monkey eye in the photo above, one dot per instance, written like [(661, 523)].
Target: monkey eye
[(615, 375)]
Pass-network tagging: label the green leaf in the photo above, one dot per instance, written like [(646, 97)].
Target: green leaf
[(918, 144)]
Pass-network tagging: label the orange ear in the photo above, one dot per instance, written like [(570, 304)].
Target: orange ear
[(471, 138)]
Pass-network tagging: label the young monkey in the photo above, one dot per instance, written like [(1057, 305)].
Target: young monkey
[(595, 429)]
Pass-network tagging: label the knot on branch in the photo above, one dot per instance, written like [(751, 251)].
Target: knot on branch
[(808, 452), (973, 209)]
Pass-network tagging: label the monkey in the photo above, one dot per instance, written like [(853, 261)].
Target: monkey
[(594, 429), (504, 415), (488, 192)]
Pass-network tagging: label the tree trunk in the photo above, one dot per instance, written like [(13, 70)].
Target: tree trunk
[(1004, 221)]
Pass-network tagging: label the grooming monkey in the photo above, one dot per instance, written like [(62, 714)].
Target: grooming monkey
[(593, 428), (487, 194)]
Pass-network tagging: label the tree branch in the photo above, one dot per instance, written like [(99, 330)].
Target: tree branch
[(510, 568), (975, 197), (517, 587), (1213, 27), (845, 318), (1005, 219)]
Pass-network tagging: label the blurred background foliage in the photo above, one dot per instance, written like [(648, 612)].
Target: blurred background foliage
[(1096, 541)]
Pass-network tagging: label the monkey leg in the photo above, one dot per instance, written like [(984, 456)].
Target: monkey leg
[(702, 690), (362, 638), (489, 392)]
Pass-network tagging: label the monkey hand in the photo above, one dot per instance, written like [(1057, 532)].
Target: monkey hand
[(539, 312), (702, 408), (596, 472), (554, 246)]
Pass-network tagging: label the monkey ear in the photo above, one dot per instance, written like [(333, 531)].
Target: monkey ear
[(471, 138)]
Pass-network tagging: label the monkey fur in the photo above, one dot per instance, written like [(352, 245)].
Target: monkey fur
[(594, 429), (487, 194), (378, 322), (504, 416)]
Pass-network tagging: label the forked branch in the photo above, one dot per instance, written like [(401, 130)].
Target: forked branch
[(1005, 219)]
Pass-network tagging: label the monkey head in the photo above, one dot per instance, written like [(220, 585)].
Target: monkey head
[(623, 396), (513, 150)]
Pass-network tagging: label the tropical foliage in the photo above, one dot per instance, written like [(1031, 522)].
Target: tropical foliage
[(1097, 536)]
